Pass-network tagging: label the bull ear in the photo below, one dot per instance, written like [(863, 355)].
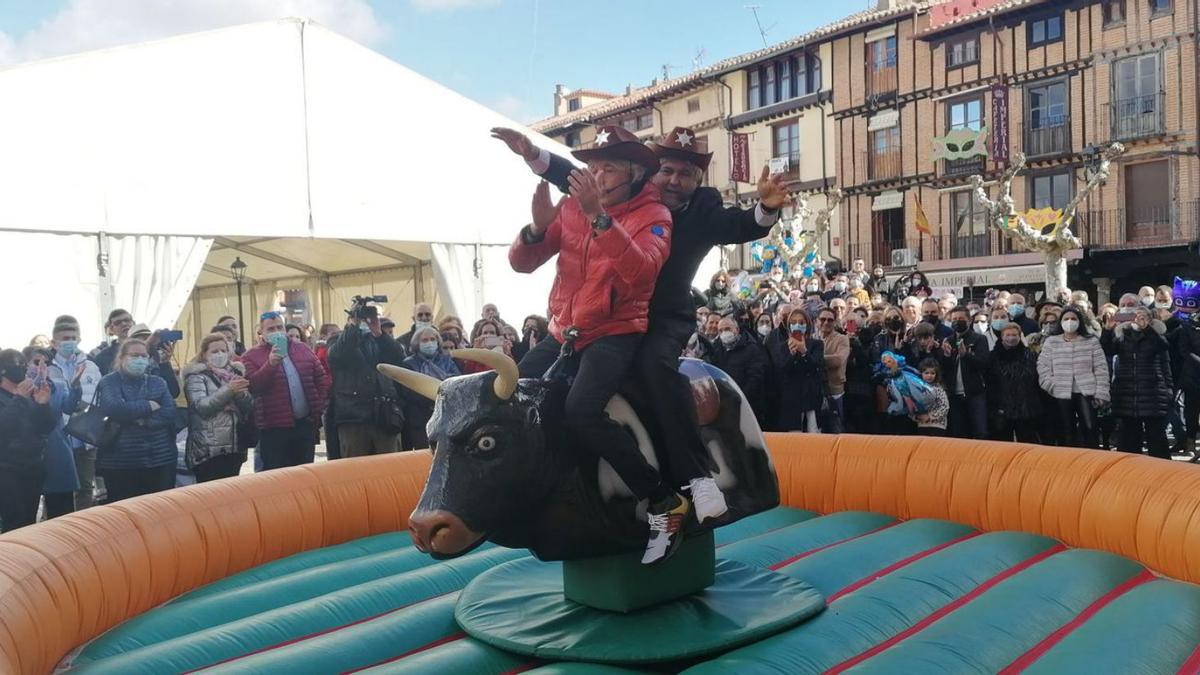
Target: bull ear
[(505, 367), (419, 382)]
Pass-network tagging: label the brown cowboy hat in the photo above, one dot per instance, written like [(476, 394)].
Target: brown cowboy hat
[(682, 143), (613, 142)]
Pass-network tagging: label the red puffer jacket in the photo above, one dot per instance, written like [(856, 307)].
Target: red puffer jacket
[(604, 281), (268, 384)]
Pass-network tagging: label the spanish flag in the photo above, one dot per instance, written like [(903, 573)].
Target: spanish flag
[(922, 221)]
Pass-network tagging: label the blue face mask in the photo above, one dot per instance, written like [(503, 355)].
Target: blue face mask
[(68, 347), (1016, 310), (364, 327), (798, 328), (430, 348), (999, 324), (278, 341), (137, 366)]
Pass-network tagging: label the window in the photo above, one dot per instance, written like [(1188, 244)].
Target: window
[(574, 104), (1137, 96), (1148, 201), (786, 143), (887, 233), (572, 139), (881, 66), (1046, 121), (1045, 30), (693, 105), (645, 120), (1160, 6), (962, 53), (782, 80), (970, 226), (965, 115), (1114, 12), (629, 123), (1050, 190), (884, 156)]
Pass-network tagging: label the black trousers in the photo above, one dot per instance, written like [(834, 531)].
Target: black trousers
[(59, 504), (221, 466), (126, 483), (1025, 431), (1191, 412), (602, 367), (287, 446), (1078, 419), (1149, 432), (20, 491)]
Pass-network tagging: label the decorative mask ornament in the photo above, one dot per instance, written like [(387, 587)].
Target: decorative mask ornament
[(1186, 298), (961, 144), (1047, 220)]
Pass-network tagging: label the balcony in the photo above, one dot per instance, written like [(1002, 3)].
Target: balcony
[(1138, 117), (962, 167), (882, 77), (1122, 229), (1051, 137), (883, 164)]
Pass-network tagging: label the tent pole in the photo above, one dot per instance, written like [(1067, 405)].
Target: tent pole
[(104, 281)]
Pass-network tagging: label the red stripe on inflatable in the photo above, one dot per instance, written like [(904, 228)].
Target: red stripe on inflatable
[(800, 556), (897, 565), (524, 667), (1028, 658), (453, 637), (1192, 665), (319, 633), (936, 616)]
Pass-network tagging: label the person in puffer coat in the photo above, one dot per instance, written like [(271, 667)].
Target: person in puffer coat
[(1013, 396), (720, 300), (1072, 368), (1142, 389), (218, 398)]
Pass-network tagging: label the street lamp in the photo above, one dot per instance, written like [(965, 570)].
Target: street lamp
[(238, 268)]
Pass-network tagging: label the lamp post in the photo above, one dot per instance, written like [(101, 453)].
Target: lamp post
[(238, 268)]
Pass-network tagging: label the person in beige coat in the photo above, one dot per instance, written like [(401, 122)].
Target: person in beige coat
[(837, 353), (1073, 369)]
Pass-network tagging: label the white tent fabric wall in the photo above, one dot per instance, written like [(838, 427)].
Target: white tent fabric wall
[(466, 288), (152, 276)]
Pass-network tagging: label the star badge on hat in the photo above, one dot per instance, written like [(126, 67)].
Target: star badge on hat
[(614, 142), (683, 144), (602, 137), (683, 138)]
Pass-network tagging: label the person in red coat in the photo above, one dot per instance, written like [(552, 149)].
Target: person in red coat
[(612, 236), (290, 388)]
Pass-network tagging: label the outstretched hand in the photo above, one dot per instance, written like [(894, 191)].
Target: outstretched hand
[(585, 188), (772, 193), (516, 141), (544, 210)]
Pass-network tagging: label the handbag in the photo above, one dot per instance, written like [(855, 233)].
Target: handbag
[(92, 426)]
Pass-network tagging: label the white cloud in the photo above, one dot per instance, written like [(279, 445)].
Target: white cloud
[(435, 5), (84, 25)]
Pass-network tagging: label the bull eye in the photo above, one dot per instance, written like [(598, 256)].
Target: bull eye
[(486, 444)]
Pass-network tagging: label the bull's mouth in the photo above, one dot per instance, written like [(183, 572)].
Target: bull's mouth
[(442, 534)]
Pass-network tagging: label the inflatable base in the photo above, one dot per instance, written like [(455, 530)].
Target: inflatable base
[(519, 607), (621, 583)]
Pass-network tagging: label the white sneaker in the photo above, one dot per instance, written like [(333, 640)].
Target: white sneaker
[(666, 528), (707, 499)]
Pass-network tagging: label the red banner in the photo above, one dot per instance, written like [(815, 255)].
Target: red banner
[(739, 157), (1000, 124)]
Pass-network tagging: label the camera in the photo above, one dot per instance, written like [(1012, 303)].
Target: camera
[(363, 306), (168, 336)]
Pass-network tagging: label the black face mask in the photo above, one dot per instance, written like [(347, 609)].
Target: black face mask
[(895, 323), (932, 320), (960, 325), (14, 373)]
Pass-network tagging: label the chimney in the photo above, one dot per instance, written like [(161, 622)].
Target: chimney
[(560, 99)]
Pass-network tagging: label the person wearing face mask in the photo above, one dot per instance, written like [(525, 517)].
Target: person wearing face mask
[(534, 329), (858, 272), (1073, 369), (218, 398), (430, 358), (1014, 399), (367, 406), (878, 282), (836, 348), (26, 419), (720, 300), (1047, 313), (999, 318), (839, 289), (1146, 297), (1142, 388), (981, 324), (799, 366), (918, 286), (73, 371), (858, 402), (1016, 310), (891, 337), (422, 317), (61, 477), (743, 359), (931, 313), (142, 458), (910, 309), (290, 388)]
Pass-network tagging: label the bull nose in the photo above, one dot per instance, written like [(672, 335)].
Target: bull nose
[(441, 533)]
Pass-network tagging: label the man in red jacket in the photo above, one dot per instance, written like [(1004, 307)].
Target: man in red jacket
[(612, 236), (290, 388)]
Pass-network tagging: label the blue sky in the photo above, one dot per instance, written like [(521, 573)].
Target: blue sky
[(507, 54)]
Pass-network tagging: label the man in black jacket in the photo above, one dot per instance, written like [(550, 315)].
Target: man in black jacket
[(367, 405), (740, 355), (966, 358), (701, 221)]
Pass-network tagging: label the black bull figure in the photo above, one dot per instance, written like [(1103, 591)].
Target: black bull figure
[(505, 470)]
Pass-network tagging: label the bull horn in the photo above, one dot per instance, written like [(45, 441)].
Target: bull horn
[(419, 382), (505, 367)]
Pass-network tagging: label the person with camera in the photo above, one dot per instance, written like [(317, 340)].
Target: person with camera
[(25, 420), (369, 414), (289, 386), (218, 399), (161, 344), (142, 458), (801, 371), (72, 370), (965, 356)]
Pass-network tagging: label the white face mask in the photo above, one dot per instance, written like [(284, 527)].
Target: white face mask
[(764, 330), (1069, 326), (1162, 305), (981, 328), (728, 337), (1147, 300), (218, 359)]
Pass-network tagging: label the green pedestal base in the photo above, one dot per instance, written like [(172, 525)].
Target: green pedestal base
[(621, 583), (519, 607)]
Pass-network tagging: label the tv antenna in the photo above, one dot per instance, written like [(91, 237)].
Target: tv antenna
[(698, 59), (666, 71), (761, 31)]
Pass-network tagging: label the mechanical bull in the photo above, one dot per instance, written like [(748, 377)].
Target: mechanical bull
[(505, 470)]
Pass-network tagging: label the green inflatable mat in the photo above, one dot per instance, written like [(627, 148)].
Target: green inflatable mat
[(519, 607)]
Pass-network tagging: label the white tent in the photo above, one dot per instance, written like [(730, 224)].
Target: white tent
[(131, 176)]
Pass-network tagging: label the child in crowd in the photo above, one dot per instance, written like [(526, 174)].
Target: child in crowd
[(933, 421)]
